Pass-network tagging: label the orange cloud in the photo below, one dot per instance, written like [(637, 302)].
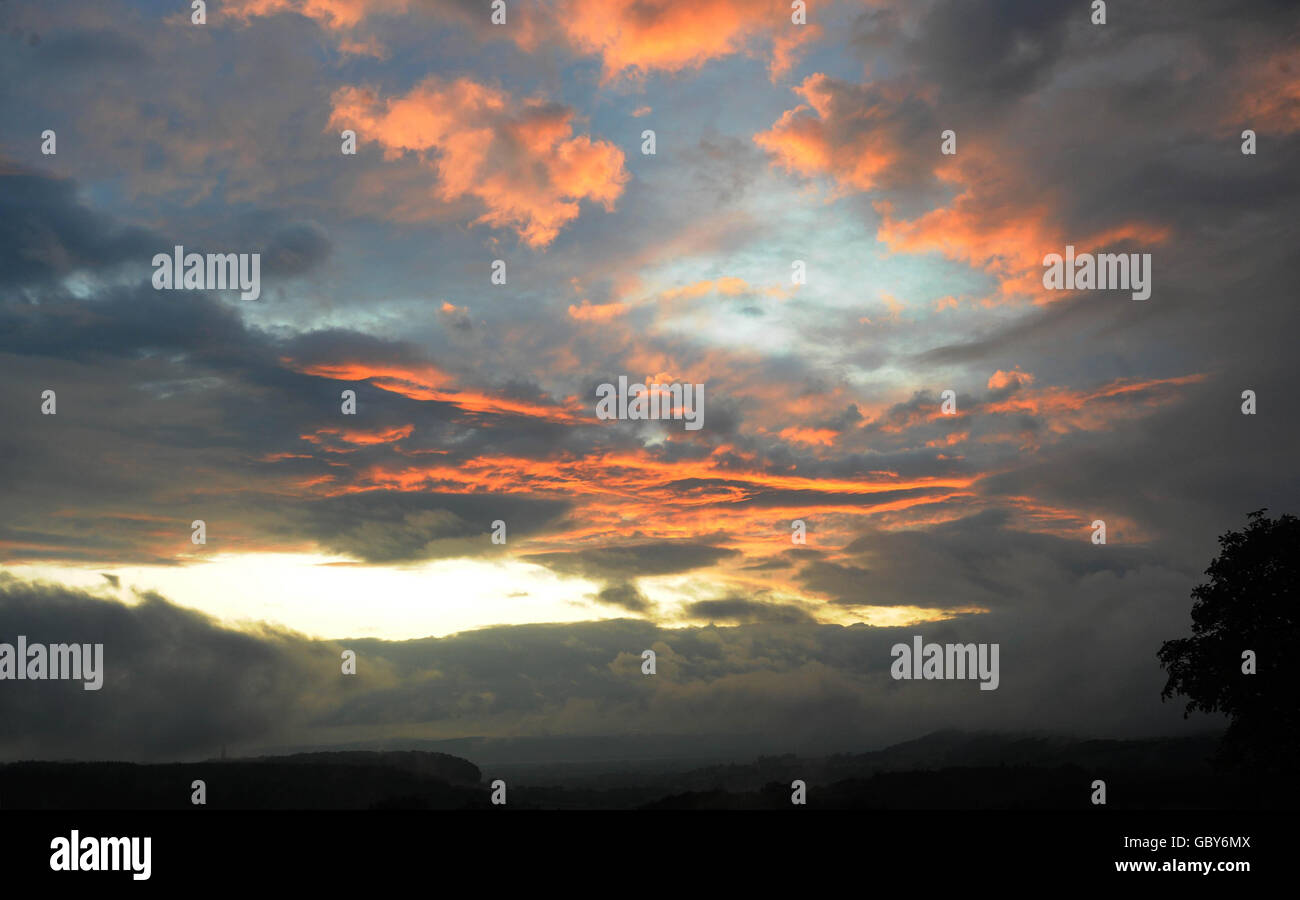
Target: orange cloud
[(332, 14), (728, 286), (657, 496), (951, 440), (786, 46), (521, 161), (635, 36), (810, 435), (1000, 379), (1089, 410), (631, 37), (1029, 514), (629, 475), (601, 312), (991, 226), (360, 438), (367, 46), (1269, 98), (426, 382), (855, 134), (1062, 409)]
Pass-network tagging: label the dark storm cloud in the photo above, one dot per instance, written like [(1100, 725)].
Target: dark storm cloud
[(47, 233), (626, 595), (788, 558), (175, 683), (1041, 325), (975, 561), (633, 560), (80, 540), (737, 610), (330, 345), (985, 55), (991, 48), (127, 323), (1192, 471), (295, 249), (389, 526)]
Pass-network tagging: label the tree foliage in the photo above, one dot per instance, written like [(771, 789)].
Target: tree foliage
[(1250, 603)]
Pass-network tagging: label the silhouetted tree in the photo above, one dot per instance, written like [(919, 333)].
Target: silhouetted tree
[(1250, 603)]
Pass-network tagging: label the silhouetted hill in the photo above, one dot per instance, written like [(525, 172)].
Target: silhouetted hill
[(600, 750), (954, 770), (944, 770), (433, 765), (352, 780), (947, 749)]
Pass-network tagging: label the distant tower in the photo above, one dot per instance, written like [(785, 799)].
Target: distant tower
[(223, 752)]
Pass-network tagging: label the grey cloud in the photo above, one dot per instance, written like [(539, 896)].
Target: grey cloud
[(992, 48), (743, 610), (390, 526), (631, 560), (47, 233), (976, 561), (295, 249), (91, 48), (625, 594), (175, 683)]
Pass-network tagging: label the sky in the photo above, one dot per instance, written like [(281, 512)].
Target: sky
[(798, 243)]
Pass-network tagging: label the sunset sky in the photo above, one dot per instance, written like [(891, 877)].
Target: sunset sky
[(775, 143)]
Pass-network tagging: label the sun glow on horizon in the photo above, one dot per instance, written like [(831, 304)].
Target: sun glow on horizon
[(334, 597)]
